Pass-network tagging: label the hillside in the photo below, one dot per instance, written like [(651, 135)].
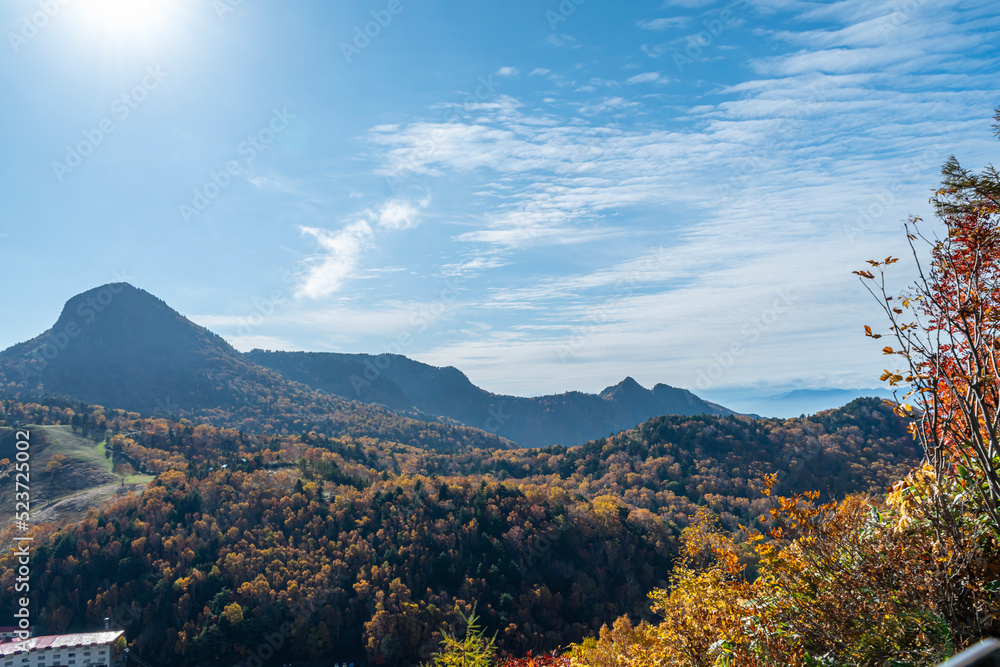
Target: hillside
[(670, 465), (404, 384), (83, 479), (366, 546)]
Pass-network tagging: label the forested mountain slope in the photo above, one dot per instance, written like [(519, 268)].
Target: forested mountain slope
[(121, 347), (404, 384), (367, 545)]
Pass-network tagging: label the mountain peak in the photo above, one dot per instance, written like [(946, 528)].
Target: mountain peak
[(108, 291), (122, 315), (115, 288), (120, 345), (87, 305), (627, 389)]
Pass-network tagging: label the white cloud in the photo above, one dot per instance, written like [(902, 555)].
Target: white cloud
[(342, 249), (662, 24), (261, 342), (398, 214), (646, 77), (688, 3), (563, 40), (507, 71), (476, 264), (789, 179), (841, 60), (375, 323), (607, 104)]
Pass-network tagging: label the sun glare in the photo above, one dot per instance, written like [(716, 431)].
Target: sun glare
[(125, 19)]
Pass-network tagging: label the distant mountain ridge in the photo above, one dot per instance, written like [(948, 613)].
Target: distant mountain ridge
[(120, 346), (404, 384)]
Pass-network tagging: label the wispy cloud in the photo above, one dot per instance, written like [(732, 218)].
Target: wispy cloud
[(662, 24), (563, 40), (688, 3), (341, 249), (397, 214), (340, 252), (646, 77), (247, 343), (744, 188)]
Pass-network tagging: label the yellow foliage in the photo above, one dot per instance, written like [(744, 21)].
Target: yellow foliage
[(845, 583), (233, 613), (909, 495), (623, 645)]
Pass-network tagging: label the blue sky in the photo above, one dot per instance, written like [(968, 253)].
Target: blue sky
[(549, 196)]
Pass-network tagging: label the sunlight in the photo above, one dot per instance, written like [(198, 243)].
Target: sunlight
[(126, 18)]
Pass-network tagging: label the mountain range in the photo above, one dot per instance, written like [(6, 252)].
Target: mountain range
[(117, 345), (407, 385)]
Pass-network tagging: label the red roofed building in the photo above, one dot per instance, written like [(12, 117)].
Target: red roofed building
[(83, 649), (9, 632)]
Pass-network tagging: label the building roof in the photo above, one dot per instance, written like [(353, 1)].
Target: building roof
[(60, 641)]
